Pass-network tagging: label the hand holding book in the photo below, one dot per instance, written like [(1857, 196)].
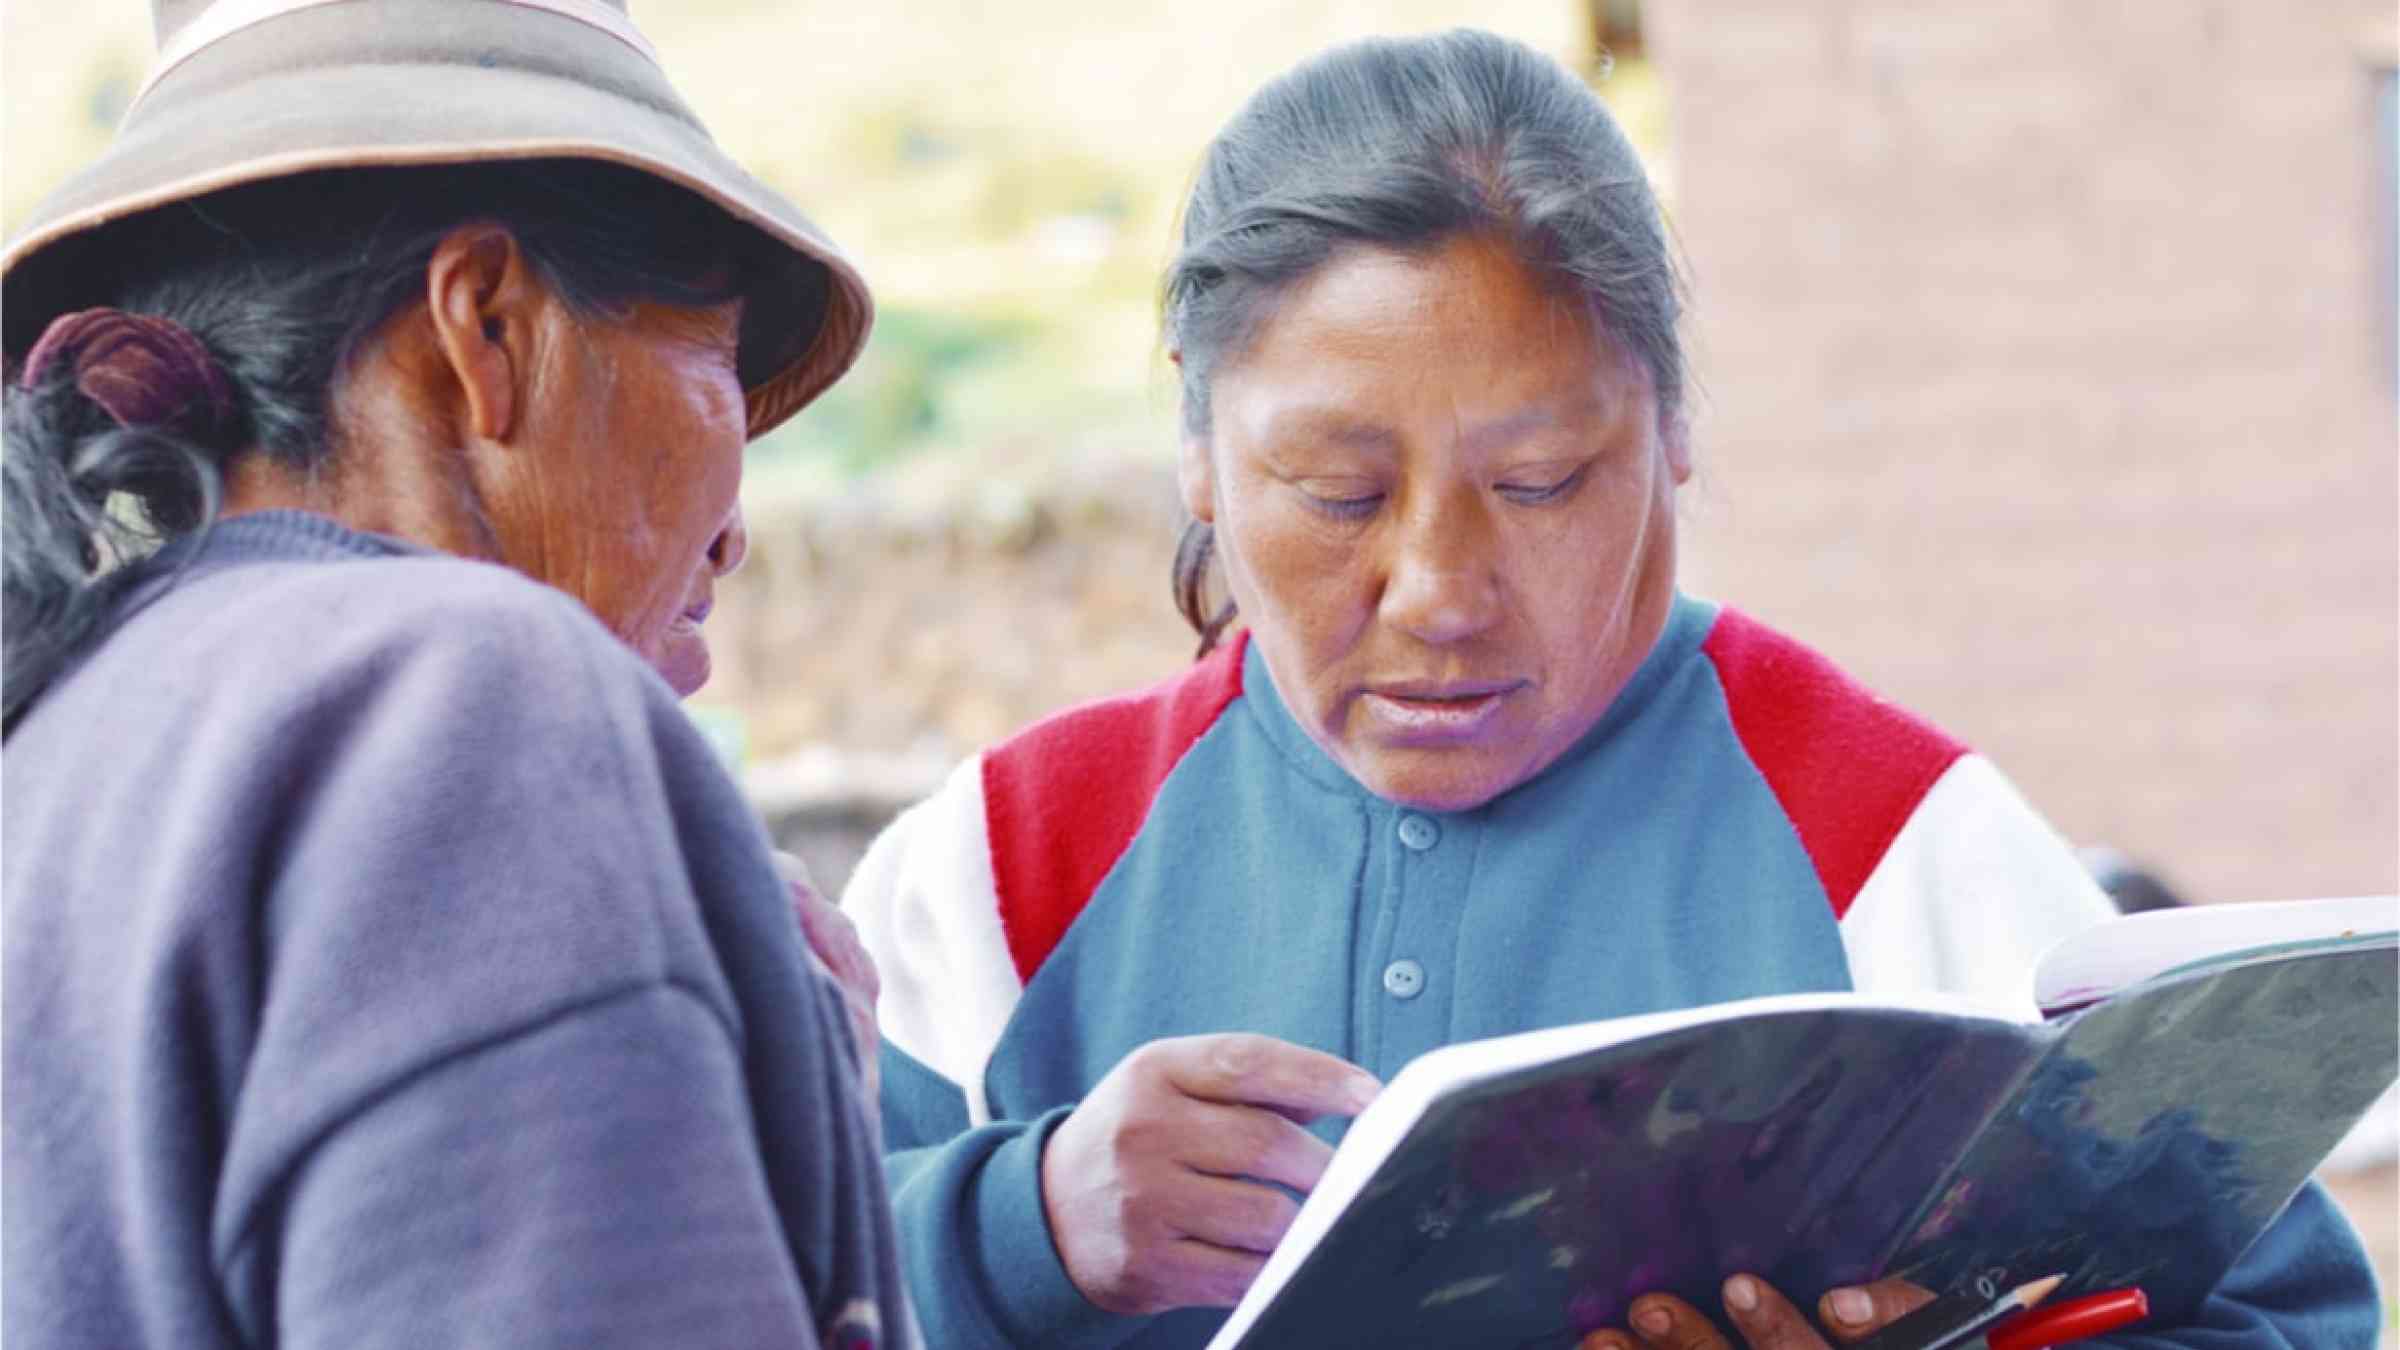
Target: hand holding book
[(1763, 1317), (1156, 1185)]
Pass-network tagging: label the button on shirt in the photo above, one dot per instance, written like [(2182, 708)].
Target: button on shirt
[(1418, 871)]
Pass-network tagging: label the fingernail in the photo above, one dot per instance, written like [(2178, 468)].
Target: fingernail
[(1740, 1294), (1364, 1090), (1652, 1319), (792, 870), (1851, 1305)]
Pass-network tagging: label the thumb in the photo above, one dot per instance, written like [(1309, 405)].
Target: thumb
[(1856, 1310), (793, 871)]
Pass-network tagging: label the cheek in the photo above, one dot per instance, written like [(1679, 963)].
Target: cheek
[(1291, 571), (663, 556), (699, 470)]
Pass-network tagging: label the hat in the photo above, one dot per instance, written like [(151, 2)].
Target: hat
[(246, 90)]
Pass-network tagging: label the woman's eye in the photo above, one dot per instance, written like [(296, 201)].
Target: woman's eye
[(1343, 505), (1534, 493)]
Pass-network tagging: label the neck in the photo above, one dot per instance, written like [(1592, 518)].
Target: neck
[(404, 486)]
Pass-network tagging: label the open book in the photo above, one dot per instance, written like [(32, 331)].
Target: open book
[(2192, 1068)]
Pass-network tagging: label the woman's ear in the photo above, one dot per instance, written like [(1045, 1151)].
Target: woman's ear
[(1677, 444), (481, 295), (1196, 475), (1195, 471)]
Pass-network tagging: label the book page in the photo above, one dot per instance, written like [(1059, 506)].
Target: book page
[(2122, 952), (2167, 1126), (1450, 1070)]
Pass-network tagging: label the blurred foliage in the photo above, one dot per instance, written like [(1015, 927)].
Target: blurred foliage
[(903, 392), (1007, 177)]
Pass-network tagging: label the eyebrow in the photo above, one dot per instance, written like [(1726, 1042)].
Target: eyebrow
[(1337, 428), (1509, 430), (1334, 427)]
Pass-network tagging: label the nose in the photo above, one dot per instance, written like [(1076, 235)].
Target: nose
[(731, 544), (1442, 582)]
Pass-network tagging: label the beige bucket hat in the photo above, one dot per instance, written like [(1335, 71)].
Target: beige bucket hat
[(245, 90)]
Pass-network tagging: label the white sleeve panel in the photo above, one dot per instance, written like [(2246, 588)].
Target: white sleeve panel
[(929, 912), (1974, 887)]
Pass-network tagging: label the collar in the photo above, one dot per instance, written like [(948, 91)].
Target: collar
[(277, 536)]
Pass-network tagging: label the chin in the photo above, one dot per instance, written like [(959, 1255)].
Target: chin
[(684, 665), (1434, 786)]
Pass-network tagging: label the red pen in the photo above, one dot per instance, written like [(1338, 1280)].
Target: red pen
[(2059, 1323)]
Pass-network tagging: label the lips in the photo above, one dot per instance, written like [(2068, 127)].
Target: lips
[(1431, 712), (1442, 691)]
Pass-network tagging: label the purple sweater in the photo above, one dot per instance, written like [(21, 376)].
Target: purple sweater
[(388, 963)]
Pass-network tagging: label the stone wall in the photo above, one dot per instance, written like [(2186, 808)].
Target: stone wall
[(873, 641)]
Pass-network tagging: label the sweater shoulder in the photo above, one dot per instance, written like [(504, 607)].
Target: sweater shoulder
[(1064, 798), (367, 628), (407, 600), (1847, 766)]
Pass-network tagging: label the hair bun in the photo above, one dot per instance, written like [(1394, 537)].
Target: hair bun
[(143, 371)]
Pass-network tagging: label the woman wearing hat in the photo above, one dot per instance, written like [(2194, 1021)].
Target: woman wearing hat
[(1473, 766), (388, 960)]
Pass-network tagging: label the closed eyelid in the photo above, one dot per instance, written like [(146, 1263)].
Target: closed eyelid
[(1341, 499), (1535, 475), (1543, 484), (1545, 470)]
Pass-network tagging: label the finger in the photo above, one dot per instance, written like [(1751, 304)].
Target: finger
[(806, 900), (830, 933), (863, 1027), (834, 938), (794, 872), (1607, 1338), (1862, 1310), (1247, 1141), (1204, 1274), (1765, 1318), (1248, 1070), (1241, 1216), (1665, 1322)]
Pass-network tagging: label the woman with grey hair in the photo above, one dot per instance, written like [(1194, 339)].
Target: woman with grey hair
[(1475, 765), (389, 961)]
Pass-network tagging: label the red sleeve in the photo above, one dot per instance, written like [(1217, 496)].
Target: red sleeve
[(1064, 798), (1847, 767)]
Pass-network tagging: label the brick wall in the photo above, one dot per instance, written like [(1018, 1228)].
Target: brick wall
[(2044, 352)]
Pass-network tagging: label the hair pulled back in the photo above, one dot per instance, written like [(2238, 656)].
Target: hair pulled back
[(281, 283), (1404, 144)]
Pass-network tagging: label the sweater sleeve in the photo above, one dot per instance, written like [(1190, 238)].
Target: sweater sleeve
[(518, 1194), (2304, 1285), (975, 1241), (1972, 890)]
